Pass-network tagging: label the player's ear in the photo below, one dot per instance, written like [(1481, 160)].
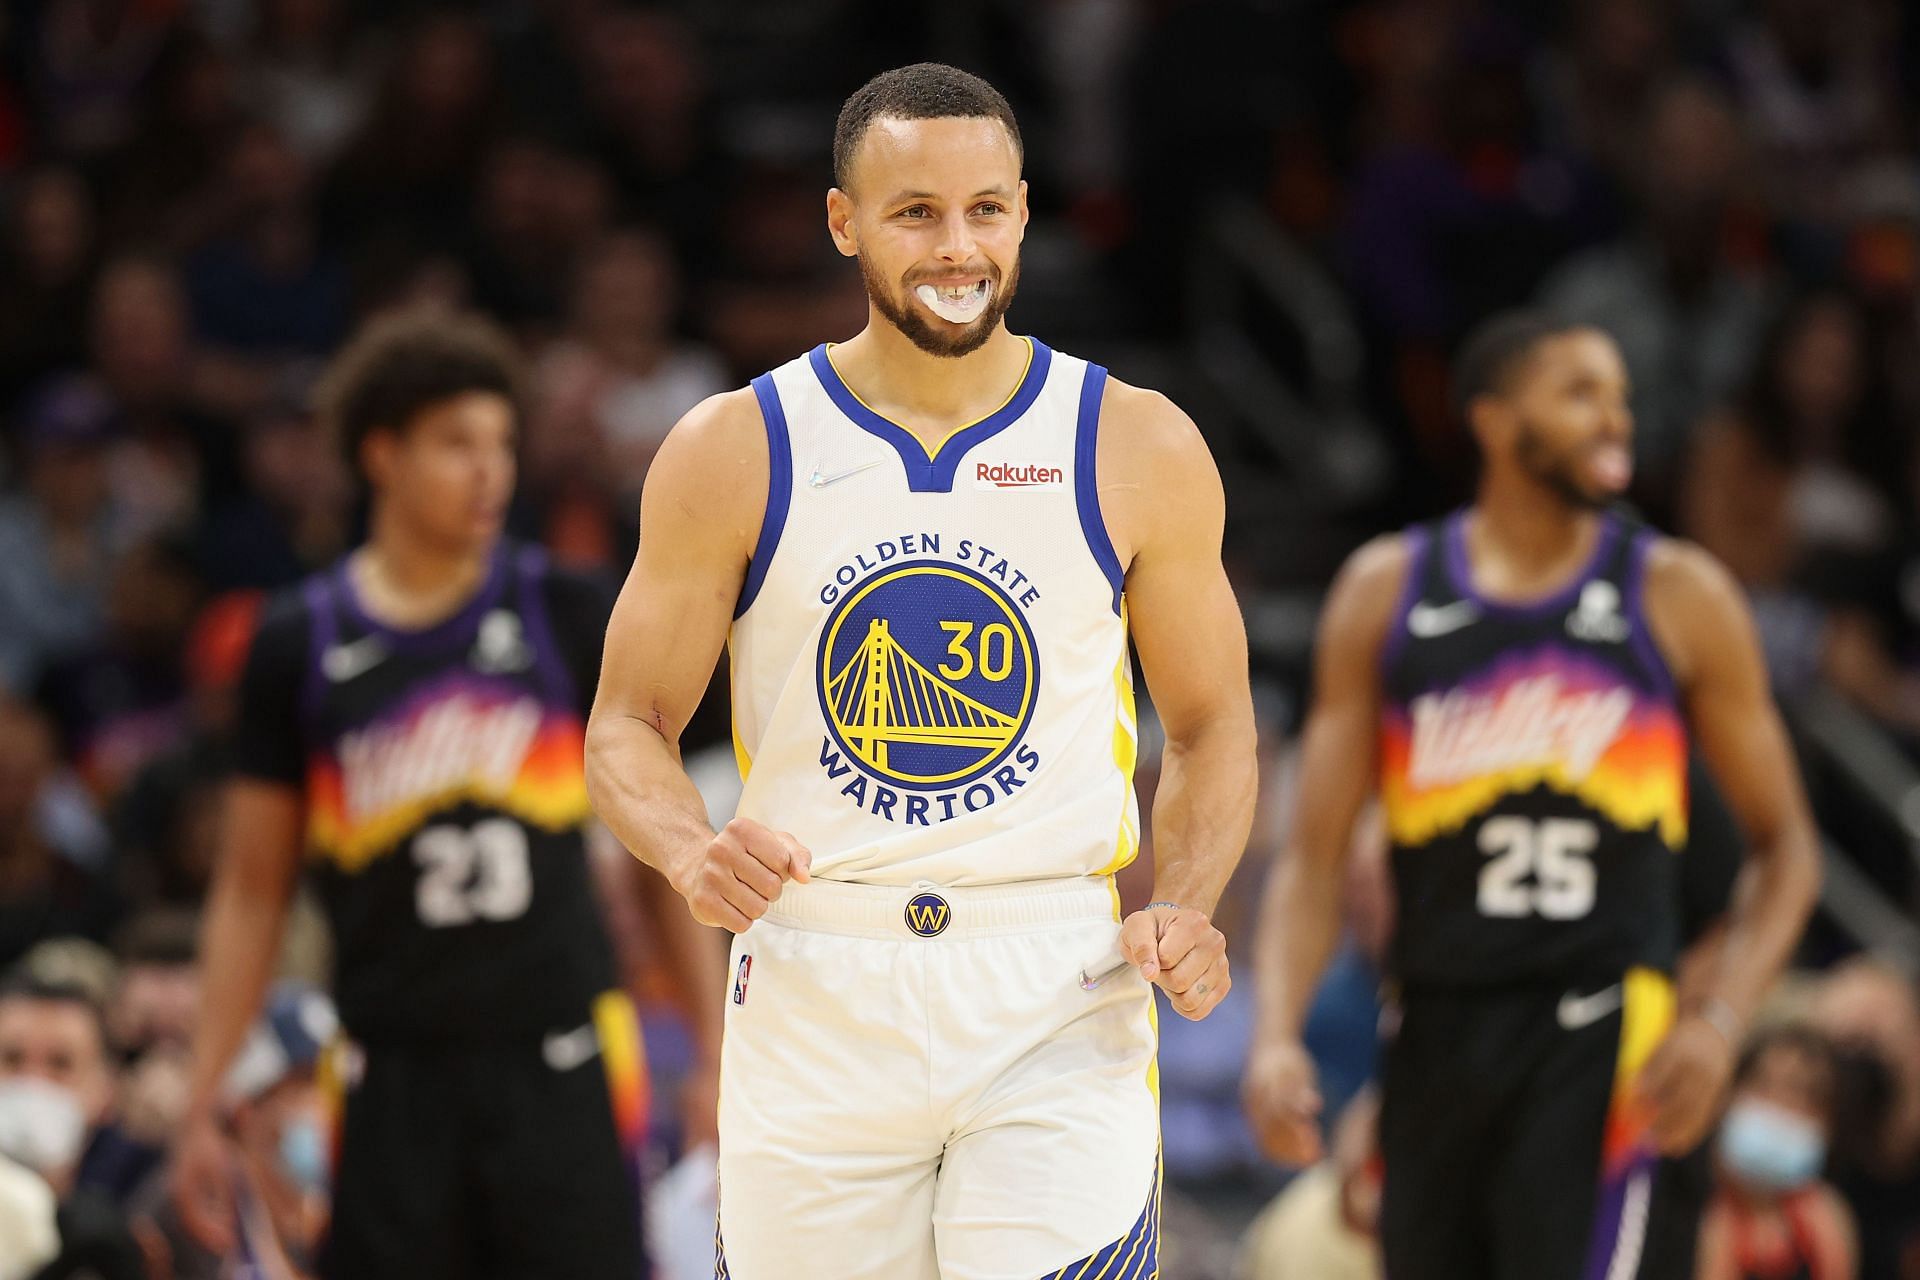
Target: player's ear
[(1491, 421), (840, 222), (376, 455), (1023, 204)]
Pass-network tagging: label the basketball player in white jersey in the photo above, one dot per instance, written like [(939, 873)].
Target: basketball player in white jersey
[(924, 549)]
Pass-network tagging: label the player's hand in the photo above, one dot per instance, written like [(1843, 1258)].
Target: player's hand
[(1683, 1083), (740, 873), (201, 1182), (1178, 950), (1281, 1093)]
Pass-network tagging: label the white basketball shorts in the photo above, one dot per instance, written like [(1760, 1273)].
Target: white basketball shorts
[(914, 1085)]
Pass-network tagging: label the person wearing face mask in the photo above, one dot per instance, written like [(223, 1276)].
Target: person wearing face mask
[(55, 1090), (1772, 1217), (279, 1148)]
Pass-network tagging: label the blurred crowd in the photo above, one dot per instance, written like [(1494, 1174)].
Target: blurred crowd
[(202, 198)]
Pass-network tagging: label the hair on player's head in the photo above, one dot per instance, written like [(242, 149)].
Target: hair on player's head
[(922, 91), (1497, 349), (407, 362)]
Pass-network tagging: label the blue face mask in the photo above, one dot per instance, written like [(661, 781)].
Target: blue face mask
[(303, 1154), (1770, 1148)]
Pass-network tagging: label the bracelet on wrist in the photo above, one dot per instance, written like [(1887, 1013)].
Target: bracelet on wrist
[(1172, 905)]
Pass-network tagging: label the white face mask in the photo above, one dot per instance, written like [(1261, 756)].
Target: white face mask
[(42, 1125)]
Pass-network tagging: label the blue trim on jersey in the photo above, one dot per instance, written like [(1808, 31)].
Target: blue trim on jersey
[(1419, 543), (779, 490), (322, 629), (1134, 1256), (1643, 642), (1086, 491), (932, 474)]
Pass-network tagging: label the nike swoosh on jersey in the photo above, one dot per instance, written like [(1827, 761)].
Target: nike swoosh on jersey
[(1577, 1011), (1427, 620), (565, 1050), (343, 662), (821, 479)]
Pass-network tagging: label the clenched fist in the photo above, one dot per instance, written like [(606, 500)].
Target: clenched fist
[(1178, 950), (733, 881)]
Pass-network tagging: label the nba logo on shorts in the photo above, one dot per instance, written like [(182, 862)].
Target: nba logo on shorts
[(928, 914), (740, 979)]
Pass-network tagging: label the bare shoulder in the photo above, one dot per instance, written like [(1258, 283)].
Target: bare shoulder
[(1695, 607), (1157, 481), (1361, 601), (712, 469), (1684, 573), (1142, 432)]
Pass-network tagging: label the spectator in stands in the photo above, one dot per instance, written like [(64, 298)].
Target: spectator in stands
[(276, 1119), (52, 879), (1814, 84), (1772, 1218), (1873, 1012), (58, 537), (47, 274), (56, 1091), (613, 385), (1677, 293)]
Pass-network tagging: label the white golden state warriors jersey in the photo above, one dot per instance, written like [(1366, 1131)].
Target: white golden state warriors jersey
[(929, 654)]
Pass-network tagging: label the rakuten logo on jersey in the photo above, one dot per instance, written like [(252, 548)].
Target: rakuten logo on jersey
[(1017, 475), (1533, 722)]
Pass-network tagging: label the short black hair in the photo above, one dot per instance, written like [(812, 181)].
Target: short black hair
[(922, 91), (1794, 1037), (1496, 348), (21, 984), (400, 364)]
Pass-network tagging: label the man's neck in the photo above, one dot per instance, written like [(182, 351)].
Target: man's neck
[(1523, 540), (930, 395), (406, 582)]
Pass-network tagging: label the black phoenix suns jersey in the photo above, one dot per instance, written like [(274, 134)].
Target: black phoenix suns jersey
[(445, 792), (1533, 770)]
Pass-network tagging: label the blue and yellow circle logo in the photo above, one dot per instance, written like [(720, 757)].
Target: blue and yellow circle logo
[(928, 914), (928, 675)]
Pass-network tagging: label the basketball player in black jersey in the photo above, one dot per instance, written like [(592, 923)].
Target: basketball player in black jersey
[(412, 731), (1519, 682)]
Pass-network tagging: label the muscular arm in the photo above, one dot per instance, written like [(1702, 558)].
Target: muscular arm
[(1300, 914), (1703, 627), (699, 518), (1160, 496), (1192, 643)]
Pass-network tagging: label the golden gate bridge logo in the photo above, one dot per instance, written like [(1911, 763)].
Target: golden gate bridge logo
[(927, 675)]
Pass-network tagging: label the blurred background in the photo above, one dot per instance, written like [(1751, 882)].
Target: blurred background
[(1283, 214)]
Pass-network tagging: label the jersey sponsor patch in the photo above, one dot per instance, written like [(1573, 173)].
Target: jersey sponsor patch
[(1018, 475)]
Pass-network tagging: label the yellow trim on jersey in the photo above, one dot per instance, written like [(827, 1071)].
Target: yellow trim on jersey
[(934, 451), (1126, 751), (741, 760), (1647, 1010)]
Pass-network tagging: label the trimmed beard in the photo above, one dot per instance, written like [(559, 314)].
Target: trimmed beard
[(1556, 473), (943, 342)]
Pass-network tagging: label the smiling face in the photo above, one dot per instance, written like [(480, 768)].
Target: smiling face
[(935, 210), (1563, 421)]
